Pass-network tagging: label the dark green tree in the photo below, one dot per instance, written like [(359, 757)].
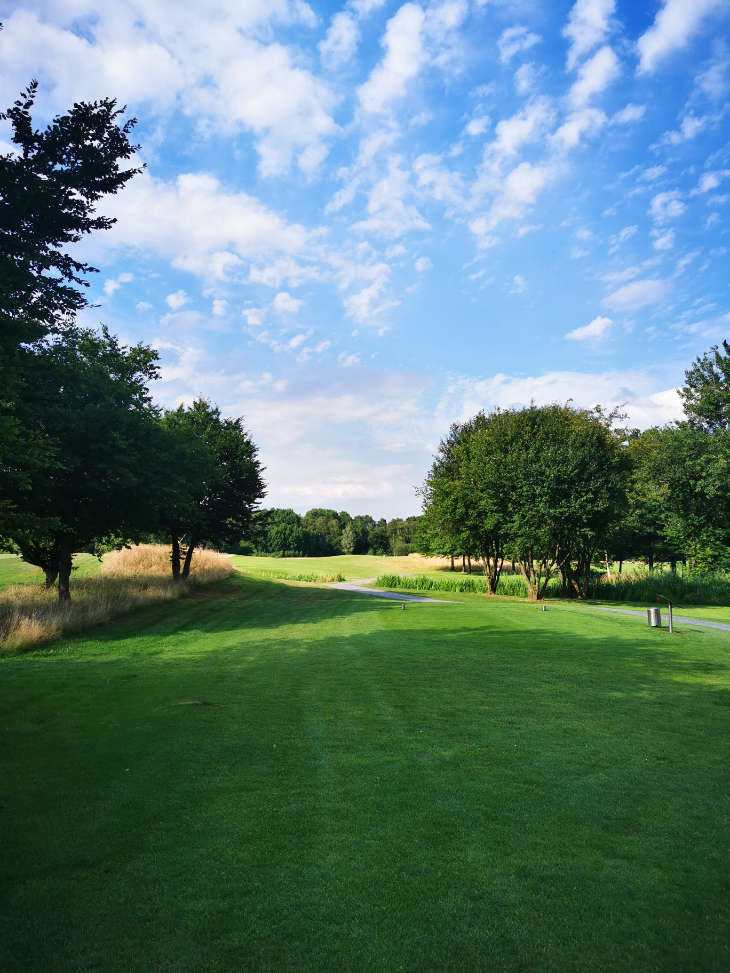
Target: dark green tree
[(49, 187), (216, 482), (91, 408)]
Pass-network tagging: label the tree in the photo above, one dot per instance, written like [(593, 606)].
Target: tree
[(91, 407), (49, 187), (216, 484), (706, 393), (544, 483)]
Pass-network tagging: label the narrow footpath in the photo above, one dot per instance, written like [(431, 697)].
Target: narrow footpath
[(392, 595), (358, 586), (677, 619)]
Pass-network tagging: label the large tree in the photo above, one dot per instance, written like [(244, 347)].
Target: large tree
[(542, 483), (91, 407), (50, 184), (214, 485)]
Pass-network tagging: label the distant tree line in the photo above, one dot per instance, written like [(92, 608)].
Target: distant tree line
[(321, 532), (87, 460), (550, 489)]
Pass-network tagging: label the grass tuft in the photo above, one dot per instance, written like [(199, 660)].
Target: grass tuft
[(31, 615)]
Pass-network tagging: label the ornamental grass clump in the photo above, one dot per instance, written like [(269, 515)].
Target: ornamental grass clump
[(129, 579)]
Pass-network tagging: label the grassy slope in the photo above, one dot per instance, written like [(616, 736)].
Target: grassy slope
[(467, 786), (352, 566)]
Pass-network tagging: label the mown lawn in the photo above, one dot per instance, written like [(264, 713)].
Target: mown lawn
[(277, 777)]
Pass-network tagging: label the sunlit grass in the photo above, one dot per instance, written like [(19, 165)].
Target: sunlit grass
[(271, 777)]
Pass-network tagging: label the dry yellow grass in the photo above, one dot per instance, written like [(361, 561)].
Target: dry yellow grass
[(132, 577)]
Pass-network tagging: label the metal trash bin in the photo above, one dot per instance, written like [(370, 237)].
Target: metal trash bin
[(655, 617)]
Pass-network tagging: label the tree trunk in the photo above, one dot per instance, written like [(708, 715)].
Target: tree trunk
[(51, 576), (188, 559), (65, 563), (175, 557), (468, 558), (673, 566), (651, 562), (620, 565), (463, 564), (452, 568)]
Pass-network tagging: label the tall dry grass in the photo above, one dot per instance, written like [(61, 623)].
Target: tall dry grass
[(31, 615)]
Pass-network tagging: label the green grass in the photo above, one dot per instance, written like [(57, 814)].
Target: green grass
[(450, 787), (15, 571), (350, 566)]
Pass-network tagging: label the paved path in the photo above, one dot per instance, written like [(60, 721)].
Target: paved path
[(392, 595), (677, 619), (358, 586)]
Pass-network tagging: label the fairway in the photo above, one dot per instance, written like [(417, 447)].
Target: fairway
[(280, 777)]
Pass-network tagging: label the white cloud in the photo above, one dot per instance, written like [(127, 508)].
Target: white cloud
[(519, 285), (347, 360), (404, 56), (666, 206), (622, 236), (177, 300), (340, 44), (422, 264), (143, 306), (113, 284), (219, 307), (690, 126), (588, 25), (284, 303), (652, 173), (628, 115), (594, 76), (636, 295), (596, 328), (254, 316), (645, 404), (438, 180), (197, 224), (519, 190), (515, 40), (663, 239), (709, 181), (477, 125), (525, 78), (524, 127), (586, 121), (673, 27), (210, 65), (389, 213)]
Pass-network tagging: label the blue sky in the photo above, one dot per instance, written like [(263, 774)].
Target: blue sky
[(363, 221)]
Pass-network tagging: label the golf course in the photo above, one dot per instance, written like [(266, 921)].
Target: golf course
[(275, 775)]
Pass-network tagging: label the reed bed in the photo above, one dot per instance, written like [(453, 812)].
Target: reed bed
[(31, 615), (707, 589)]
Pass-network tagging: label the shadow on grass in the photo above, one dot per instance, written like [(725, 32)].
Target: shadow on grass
[(440, 788)]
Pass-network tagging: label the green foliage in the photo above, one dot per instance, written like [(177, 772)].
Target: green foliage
[(49, 188), (215, 481), (544, 483), (91, 405), (706, 393)]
